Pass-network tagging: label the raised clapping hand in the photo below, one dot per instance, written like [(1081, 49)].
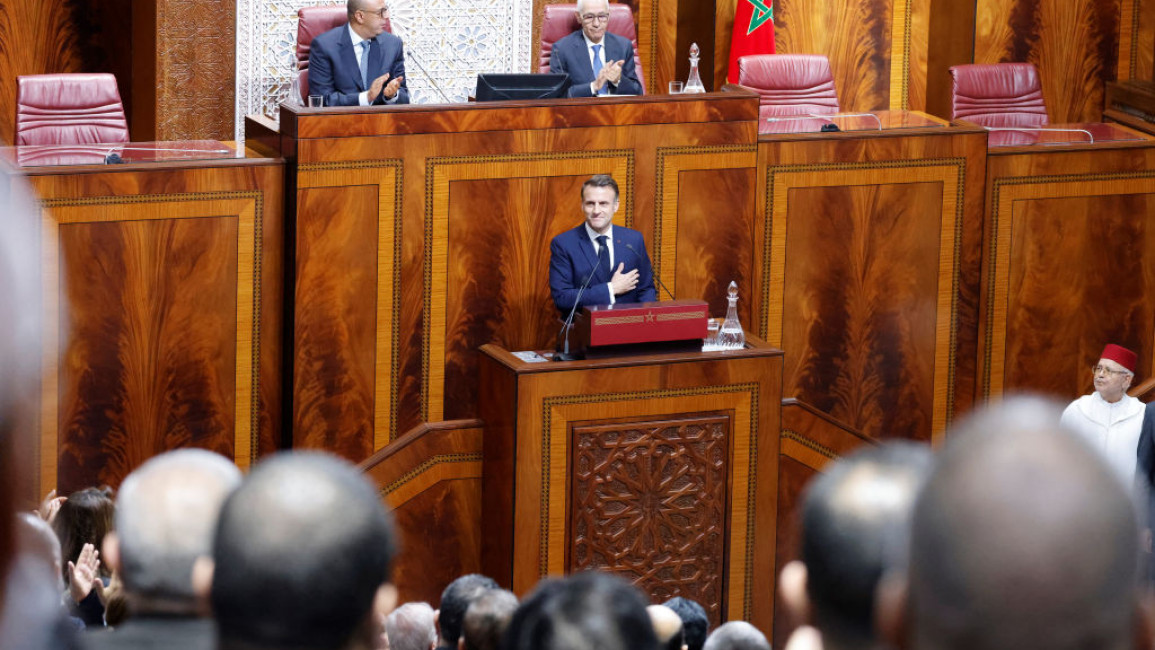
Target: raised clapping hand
[(624, 282), (379, 86), (610, 73), (84, 572), (50, 506)]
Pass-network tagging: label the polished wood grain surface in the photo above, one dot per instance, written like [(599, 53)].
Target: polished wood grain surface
[(447, 214), (1065, 268), (533, 411), (1073, 44), (431, 478), (36, 37), (1136, 40), (195, 69), (810, 439), (870, 271), (162, 301)]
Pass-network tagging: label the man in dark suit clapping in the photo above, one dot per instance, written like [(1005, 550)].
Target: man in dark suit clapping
[(598, 62), (359, 64)]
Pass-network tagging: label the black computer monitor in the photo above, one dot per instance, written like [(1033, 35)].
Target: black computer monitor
[(497, 87)]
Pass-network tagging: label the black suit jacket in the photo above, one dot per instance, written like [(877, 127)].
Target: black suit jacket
[(571, 56), (155, 633), (1145, 469), (334, 72)]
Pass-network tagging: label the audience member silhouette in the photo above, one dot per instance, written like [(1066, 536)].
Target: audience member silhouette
[(302, 554), (695, 623), (1024, 538), (455, 600), (855, 522), (486, 620), (412, 627), (736, 635)]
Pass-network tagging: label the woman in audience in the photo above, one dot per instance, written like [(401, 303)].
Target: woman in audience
[(81, 524)]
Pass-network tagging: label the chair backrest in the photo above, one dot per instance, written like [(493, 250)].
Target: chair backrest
[(69, 109), (790, 84), (312, 22), (561, 20), (998, 94)]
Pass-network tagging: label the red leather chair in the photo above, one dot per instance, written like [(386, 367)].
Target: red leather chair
[(69, 109), (561, 20), (998, 95), (312, 22), (789, 84)]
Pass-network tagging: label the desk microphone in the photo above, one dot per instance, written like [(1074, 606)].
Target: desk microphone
[(652, 274), (564, 354)]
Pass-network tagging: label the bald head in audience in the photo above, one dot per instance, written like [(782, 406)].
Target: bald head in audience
[(411, 627), (303, 553), (1023, 538), (736, 635), (166, 512), (486, 619), (586, 611), (855, 523)]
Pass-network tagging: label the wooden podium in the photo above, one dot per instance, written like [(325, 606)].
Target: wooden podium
[(659, 468)]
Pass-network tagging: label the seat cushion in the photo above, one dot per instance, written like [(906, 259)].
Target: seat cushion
[(69, 109), (998, 95), (790, 84)]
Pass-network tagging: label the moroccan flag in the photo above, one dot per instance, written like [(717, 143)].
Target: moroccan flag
[(753, 32)]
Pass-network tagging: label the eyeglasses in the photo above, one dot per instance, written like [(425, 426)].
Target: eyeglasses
[(1110, 373), (592, 18), (383, 12)]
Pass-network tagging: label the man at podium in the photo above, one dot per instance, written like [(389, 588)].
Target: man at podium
[(609, 261)]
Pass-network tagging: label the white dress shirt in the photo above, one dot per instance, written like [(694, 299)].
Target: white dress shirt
[(593, 235), (363, 96)]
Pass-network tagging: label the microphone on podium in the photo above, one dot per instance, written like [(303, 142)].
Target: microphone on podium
[(563, 354), (652, 274)]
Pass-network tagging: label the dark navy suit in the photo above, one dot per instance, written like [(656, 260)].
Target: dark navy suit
[(572, 56), (572, 257), (334, 72)]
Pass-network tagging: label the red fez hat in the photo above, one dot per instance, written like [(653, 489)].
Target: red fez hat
[(1120, 355)]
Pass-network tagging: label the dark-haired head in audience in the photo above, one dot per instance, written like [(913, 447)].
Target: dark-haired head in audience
[(667, 627), (736, 635), (411, 627), (85, 518), (586, 611), (302, 555), (855, 521), (1023, 538), (486, 620), (455, 600), (166, 512), (695, 623)]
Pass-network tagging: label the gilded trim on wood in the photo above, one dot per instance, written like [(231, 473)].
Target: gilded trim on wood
[(440, 173), (247, 208), (672, 161), (900, 30), (441, 467), (388, 176), (1005, 193), (741, 399), (950, 173)]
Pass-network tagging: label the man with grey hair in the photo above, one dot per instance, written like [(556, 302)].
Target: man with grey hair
[(598, 62), (1022, 537), (411, 627), (166, 512), (736, 635), (486, 619)]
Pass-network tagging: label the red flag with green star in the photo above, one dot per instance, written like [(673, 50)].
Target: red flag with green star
[(753, 32)]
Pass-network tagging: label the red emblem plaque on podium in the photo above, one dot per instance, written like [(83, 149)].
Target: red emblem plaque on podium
[(640, 327)]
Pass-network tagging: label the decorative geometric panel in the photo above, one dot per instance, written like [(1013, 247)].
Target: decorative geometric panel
[(649, 504), (447, 43)]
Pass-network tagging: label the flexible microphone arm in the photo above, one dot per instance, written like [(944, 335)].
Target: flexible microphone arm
[(652, 274), (565, 355)]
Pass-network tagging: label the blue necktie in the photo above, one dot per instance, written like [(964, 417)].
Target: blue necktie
[(604, 90), (604, 254), (365, 64)]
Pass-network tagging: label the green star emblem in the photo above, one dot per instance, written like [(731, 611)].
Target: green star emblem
[(762, 12)]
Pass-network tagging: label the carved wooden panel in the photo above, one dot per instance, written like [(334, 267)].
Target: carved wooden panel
[(649, 504), (1074, 44), (1068, 266), (162, 307), (195, 69), (870, 276)]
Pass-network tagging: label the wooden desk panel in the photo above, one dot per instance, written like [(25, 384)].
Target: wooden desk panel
[(592, 464), (162, 302), (867, 249), (452, 209), (1067, 264)]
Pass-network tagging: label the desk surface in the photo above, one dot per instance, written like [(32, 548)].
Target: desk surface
[(110, 156), (868, 121), (1062, 135)]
